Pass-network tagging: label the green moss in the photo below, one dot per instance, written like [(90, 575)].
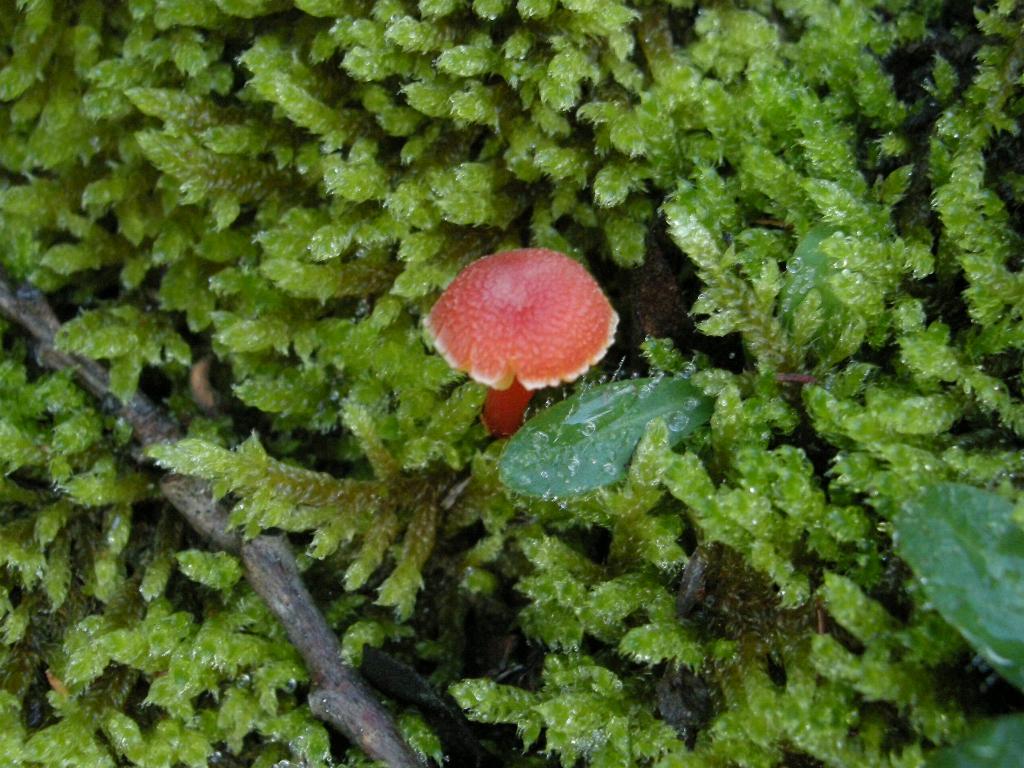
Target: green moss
[(283, 188)]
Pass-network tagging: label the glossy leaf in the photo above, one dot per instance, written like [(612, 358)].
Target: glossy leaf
[(994, 744), (585, 442), (807, 270), (968, 552)]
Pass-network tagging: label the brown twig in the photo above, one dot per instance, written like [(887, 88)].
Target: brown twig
[(405, 684), (339, 696)]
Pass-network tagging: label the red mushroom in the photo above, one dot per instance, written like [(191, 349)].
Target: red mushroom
[(518, 321)]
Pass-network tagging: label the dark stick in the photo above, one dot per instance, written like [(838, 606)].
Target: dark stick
[(339, 696), (403, 683)]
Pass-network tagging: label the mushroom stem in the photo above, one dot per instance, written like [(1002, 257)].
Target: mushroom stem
[(504, 409)]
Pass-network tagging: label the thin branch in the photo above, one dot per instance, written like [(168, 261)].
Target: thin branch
[(404, 683), (339, 695)]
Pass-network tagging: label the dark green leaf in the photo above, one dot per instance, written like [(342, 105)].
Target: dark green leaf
[(584, 442), (997, 743), (807, 270), (969, 554)]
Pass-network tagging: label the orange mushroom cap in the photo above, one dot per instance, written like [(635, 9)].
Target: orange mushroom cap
[(530, 314)]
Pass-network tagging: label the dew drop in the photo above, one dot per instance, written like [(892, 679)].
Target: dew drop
[(678, 422)]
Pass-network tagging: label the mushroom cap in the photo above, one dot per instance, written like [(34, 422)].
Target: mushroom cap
[(530, 314)]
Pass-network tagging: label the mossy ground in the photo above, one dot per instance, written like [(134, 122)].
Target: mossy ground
[(245, 208)]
